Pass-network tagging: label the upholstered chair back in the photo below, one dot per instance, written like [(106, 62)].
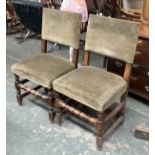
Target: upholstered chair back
[(111, 37), (61, 27)]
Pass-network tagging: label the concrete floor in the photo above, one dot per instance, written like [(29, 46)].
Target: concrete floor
[(29, 131)]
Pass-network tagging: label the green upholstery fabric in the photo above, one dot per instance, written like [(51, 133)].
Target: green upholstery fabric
[(114, 38), (91, 86), (61, 27), (42, 69)]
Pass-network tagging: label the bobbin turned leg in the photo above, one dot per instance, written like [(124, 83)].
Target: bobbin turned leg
[(122, 111), (51, 114), (58, 117), (99, 133), (51, 106), (18, 91), (57, 110)]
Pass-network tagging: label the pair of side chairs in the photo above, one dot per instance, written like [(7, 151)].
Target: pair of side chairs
[(87, 85)]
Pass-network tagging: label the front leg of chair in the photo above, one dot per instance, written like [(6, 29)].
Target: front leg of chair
[(55, 112), (99, 133), (51, 106), (18, 91), (59, 113)]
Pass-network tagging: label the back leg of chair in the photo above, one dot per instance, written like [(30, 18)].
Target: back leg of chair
[(18, 90), (122, 111), (100, 130)]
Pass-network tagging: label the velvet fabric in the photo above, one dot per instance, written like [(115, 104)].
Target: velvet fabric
[(64, 27), (91, 86), (114, 38), (42, 69)]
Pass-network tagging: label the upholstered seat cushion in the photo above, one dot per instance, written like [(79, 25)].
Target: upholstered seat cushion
[(91, 86), (42, 69)]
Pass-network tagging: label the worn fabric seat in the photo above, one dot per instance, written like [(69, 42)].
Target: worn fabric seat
[(57, 26), (91, 86), (42, 69), (98, 88)]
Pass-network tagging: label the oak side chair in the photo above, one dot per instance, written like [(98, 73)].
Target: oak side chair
[(42, 69), (97, 88)]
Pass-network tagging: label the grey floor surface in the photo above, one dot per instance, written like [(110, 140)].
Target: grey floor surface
[(29, 131)]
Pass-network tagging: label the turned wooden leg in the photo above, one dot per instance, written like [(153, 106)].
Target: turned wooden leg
[(51, 106), (122, 111), (58, 118), (18, 91), (57, 110), (52, 115), (99, 133)]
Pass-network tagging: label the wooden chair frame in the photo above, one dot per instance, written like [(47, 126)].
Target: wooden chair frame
[(52, 3), (13, 19), (20, 84), (132, 14), (102, 118)]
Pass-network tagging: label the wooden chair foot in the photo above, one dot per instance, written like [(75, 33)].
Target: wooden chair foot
[(99, 142), (59, 113), (52, 115), (58, 118), (100, 129), (18, 91), (19, 99)]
